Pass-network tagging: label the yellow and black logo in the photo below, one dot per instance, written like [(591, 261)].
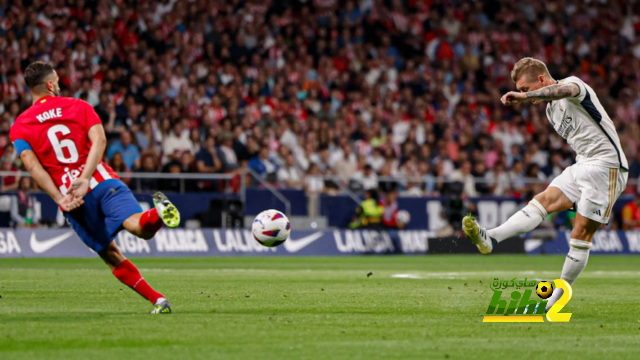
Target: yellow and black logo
[(544, 289), (520, 307)]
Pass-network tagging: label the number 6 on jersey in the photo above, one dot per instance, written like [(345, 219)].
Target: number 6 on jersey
[(59, 145)]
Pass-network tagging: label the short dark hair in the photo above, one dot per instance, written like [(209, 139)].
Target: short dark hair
[(36, 73)]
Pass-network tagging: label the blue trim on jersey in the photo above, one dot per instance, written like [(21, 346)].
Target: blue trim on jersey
[(21, 145), (592, 110)]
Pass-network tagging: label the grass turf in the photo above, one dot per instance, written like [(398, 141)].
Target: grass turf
[(310, 308)]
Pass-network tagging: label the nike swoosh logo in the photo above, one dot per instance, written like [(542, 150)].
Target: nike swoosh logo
[(296, 245), (39, 247)]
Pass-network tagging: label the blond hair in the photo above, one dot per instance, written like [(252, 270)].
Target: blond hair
[(530, 67)]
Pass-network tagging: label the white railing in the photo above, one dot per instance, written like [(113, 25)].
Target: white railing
[(342, 183), (136, 177), (273, 190)]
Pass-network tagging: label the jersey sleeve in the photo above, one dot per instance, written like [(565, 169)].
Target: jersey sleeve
[(19, 141), (580, 83), (91, 117)]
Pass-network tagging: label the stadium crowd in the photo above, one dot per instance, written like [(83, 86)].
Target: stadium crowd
[(299, 90)]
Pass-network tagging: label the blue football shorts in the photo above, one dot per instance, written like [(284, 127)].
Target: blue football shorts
[(99, 220)]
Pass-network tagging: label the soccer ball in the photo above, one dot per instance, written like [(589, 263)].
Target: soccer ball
[(544, 289), (271, 228)]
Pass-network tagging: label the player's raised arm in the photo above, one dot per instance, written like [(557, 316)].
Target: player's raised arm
[(42, 178), (554, 92), (535, 84), (547, 93)]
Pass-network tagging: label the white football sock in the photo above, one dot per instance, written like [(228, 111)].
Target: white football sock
[(521, 222), (159, 301), (574, 263)]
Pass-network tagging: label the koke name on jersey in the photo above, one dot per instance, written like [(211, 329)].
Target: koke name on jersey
[(49, 114)]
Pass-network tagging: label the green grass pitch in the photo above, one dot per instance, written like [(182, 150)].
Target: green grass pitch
[(311, 308)]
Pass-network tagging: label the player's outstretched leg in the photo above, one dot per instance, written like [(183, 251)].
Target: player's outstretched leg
[(125, 271), (521, 222), (477, 235), (166, 210), (525, 220), (146, 224)]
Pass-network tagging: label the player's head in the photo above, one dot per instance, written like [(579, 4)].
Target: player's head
[(530, 74), (42, 79)]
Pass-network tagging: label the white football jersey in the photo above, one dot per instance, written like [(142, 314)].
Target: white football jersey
[(587, 127)]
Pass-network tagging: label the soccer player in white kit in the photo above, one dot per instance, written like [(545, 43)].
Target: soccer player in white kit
[(591, 186)]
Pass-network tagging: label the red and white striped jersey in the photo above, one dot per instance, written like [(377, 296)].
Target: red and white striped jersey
[(56, 129)]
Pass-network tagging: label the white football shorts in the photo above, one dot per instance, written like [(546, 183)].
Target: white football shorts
[(593, 189)]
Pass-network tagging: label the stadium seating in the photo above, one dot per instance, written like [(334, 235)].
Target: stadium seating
[(410, 88)]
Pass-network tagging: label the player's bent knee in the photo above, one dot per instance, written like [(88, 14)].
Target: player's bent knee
[(554, 200), (144, 235), (141, 233), (584, 228), (582, 233), (544, 199), (132, 225)]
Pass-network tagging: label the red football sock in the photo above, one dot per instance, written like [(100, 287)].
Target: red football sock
[(150, 221), (129, 275)]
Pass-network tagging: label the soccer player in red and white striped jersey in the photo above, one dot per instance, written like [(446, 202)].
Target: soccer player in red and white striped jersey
[(61, 142)]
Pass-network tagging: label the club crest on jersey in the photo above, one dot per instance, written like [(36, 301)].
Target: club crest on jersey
[(49, 114)]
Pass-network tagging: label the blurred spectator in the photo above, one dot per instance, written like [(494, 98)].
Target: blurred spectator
[(634, 167), (498, 180), (176, 143), (555, 166), (428, 178), (412, 189), (346, 166), (148, 165), (207, 159), (369, 213), (11, 88), (127, 149), (631, 215), (367, 178), (106, 111), (290, 175), (173, 184), (23, 205), (11, 182), (145, 137), (263, 165), (118, 165), (517, 179), (464, 176), (227, 155), (376, 160), (188, 166), (390, 204), (90, 94), (399, 82)]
